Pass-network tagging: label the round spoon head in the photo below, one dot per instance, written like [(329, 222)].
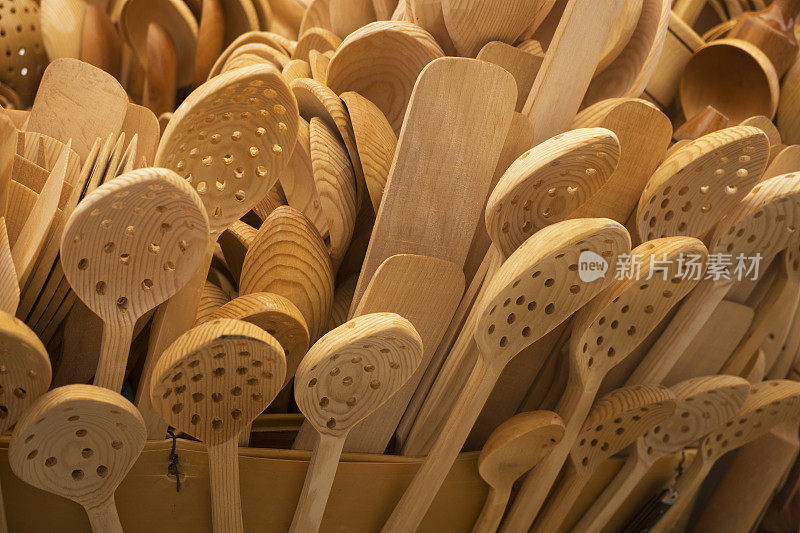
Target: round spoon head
[(231, 138), (517, 445), (548, 182), (133, 242), (541, 284), (77, 441), (702, 405), (699, 183), (354, 369), (617, 419), (215, 379), (277, 316), (24, 369), (609, 328)]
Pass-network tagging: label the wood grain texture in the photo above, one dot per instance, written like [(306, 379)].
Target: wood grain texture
[(485, 96), (101, 46), (234, 243), (787, 116), (296, 68), (9, 285), (142, 122), (381, 62), (521, 64), (378, 353), (428, 15), (315, 38), (210, 35), (317, 15), (349, 15), (784, 162), (706, 121), (318, 63), (86, 440), (240, 17), (342, 298), (273, 41), (288, 258), (210, 301), (621, 33), (8, 145), (61, 25), (124, 253), (772, 31)]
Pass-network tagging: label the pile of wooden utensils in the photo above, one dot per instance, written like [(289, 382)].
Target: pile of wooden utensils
[(556, 231)]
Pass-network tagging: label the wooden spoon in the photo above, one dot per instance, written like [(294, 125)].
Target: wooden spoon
[(768, 404), (381, 62), (378, 352), (141, 122), (428, 15), (101, 45), (349, 15), (61, 25), (485, 94), (615, 421), (706, 121), (604, 333), (771, 30), (703, 405), (316, 38), (147, 230), (252, 37), (296, 68), (161, 67), (211, 383), (528, 279), (79, 442), (787, 116), (784, 162), (210, 35), (515, 447), (523, 65)]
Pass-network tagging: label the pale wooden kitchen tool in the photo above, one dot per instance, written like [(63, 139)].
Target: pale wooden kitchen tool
[(615, 421), (772, 31), (234, 244), (706, 121), (787, 116), (605, 332), (61, 25), (349, 15), (346, 375), (523, 65), (568, 66), (515, 447), (231, 138), (381, 62), (78, 102), (161, 68), (425, 291), (296, 68), (101, 45), (316, 38), (784, 162), (9, 285), (25, 57), (318, 63), (210, 36), (522, 303), (130, 245), (288, 258), (428, 15), (624, 27), (79, 442), (251, 37), (764, 223), (8, 145), (212, 299), (211, 383), (341, 301), (703, 405), (768, 404), (473, 100)]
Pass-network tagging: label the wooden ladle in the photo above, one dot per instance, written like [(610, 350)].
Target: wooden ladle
[(772, 31), (79, 442), (211, 383), (512, 449), (703, 405), (346, 375), (127, 247)]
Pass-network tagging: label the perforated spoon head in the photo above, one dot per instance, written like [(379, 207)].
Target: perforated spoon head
[(77, 441), (609, 328), (540, 284), (133, 242), (699, 183), (231, 139), (617, 419), (548, 182), (25, 371), (702, 405), (517, 445), (354, 369)]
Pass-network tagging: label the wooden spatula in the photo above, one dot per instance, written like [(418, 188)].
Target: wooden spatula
[(703, 405), (522, 303), (346, 375), (604, 333), (474, 101), (79, 442), (523, 65), (211, 383), (9, 285), (513, 448)]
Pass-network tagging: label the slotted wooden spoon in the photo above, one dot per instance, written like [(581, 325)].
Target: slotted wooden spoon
[(346, 375), (128, 246), (531, 293), (211, 383), (79, 442), (703, 405)]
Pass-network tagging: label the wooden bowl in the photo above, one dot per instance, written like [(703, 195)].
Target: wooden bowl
[(734, 77)]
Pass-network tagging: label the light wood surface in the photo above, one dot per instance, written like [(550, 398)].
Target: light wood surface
[(785, 161), (101, 46), (787, 116), (349, 15), (142, 122), (210, 35), (315, 38), (61, 25), (522, 65), (706, 121), (772, 31), (212, 299), (9, 285)]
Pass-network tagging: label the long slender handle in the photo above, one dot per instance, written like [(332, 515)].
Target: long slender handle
[(317, 486), (226, 503), (565, 494), (104, 518), (573, 409), (686, 487), (694, 312), (419, 495), (493, 509), (3, 521), (114, 355)]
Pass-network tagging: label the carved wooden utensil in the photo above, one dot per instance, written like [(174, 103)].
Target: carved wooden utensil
[(772, 31), (703, 405), (128, 246), (79, 442), (346, 375), (212, 382)]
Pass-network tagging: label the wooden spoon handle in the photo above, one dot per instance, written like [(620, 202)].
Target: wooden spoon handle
[(161, 70), (104, 519), (226, 503), (564, 496), (317, 486), (493, 509), (114, 355), (209, 39), (686, 487)]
